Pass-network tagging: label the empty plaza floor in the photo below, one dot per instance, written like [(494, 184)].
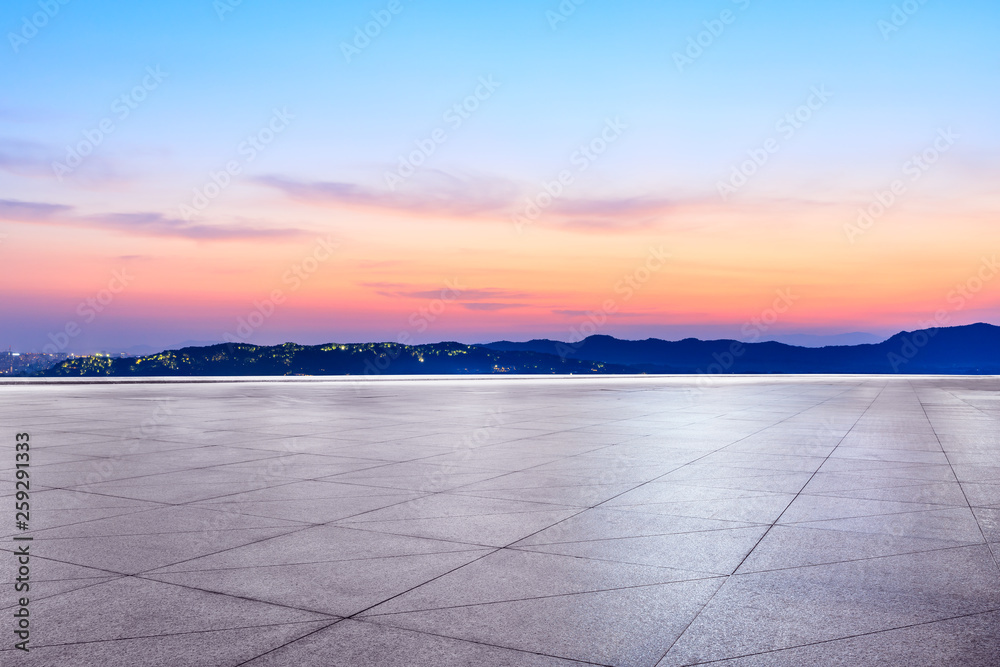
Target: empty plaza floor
[(756, 520)]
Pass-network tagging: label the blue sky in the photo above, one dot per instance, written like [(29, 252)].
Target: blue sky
[(226, 72)]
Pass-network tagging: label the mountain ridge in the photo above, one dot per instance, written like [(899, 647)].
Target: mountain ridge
[(972, 349)]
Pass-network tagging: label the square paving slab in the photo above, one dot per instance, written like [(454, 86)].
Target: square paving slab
[(641, 521)]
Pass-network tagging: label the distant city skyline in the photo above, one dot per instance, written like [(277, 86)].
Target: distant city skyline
[(426, 171)]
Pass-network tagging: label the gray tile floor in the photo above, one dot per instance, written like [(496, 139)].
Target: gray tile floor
[(827, 520)]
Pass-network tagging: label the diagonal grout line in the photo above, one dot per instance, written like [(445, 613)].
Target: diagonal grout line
[(495, 550), (528, 438), (693, 461), (40, 532), (237, 546), (707, 577), (979, 525), (834, 494), (846, 391), (234, 568), (837, 639), (235, 596), (111, 573), (424, 583), (712, 597), (276, 648), (452, 491), (108, 579), (811, 477), (75, 487), (51, 539), (177, 634), (954, 547), (974, 407), (479, 643)]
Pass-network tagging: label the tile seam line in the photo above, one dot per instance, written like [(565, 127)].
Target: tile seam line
[(325, 615), (768, 530), (811, 477), (40, 532), (497, 549), (976, 408), (979, 525), (841, 393), (858, 560), (500, 474), (845, 637), (155, 573), (798, 524), (276, 648), (684, 465), (546, 597), (479, 643), (107, 580), (177, 634), (76, 487)]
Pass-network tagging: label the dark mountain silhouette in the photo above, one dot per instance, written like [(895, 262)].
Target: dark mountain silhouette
[(331, 359), (964, 350)]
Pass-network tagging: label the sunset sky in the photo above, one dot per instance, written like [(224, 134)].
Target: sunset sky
[(268, 172)]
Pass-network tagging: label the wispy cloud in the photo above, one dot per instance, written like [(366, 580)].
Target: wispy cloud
[(436, 194), (25, 158), (620, 224), (379, 264), (406, 291), (141, 224), (443, 195), (23, 211), (483, 299), (614, 206), (490, 305), (585, 313), (472, 294)]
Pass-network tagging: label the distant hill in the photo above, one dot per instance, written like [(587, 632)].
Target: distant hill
[(820, 340), (331, 359), (964, 350)]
